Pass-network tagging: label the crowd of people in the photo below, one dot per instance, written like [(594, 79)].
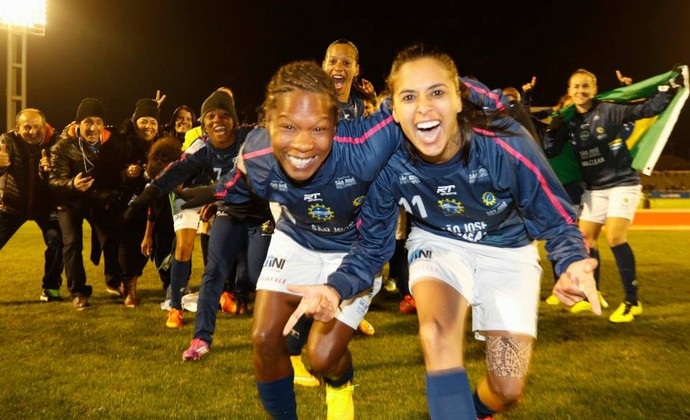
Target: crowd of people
[(443, 178)]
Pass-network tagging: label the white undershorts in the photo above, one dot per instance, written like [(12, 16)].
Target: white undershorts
[(185, 218), (289, 263), (501, 284), (597, 205)]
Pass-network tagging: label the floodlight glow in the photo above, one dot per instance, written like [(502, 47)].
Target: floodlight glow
[(28, 15)]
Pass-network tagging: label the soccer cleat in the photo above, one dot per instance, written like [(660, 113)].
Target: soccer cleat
[(390, 285), (339, 403), (197, 348), (81, 303), (407, 305), (228, 303), (552, 300), (302, 375), (174, 318), (366, 328), (50, 295), (190, 302), (604, 304), (626, 312), (584, 305)]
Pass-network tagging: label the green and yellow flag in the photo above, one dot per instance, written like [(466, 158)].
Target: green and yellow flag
[(649, 135)]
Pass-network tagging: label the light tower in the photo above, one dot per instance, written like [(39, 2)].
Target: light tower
[(20, 18)]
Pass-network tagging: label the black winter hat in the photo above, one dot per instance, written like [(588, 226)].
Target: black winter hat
[(219, 100), (90, 107), (146, 107)]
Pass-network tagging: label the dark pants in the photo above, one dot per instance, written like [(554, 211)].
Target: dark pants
[(224, 247), (163, 242), (71, 222), (48, 223)]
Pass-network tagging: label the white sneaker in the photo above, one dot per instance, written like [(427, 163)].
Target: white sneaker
[(189, 301), (165, 305)]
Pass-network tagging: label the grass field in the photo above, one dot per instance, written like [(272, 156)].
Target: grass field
[(115, 362)]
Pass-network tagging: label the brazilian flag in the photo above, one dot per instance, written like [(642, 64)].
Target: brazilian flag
[(645, 138)]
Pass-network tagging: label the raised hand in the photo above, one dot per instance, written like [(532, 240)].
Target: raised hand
[(627, 81), (45, 161), (529, 85), (159, 99)]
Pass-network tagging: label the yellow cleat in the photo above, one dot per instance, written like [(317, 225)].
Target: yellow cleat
[(339, 402), (583, 305), (174, 318), (604, 304), (552, 300), (626, 312), (302, 375), (366, 328)]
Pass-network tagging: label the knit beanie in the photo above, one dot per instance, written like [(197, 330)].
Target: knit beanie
[(219, 100), (90, 107), (146, 107)]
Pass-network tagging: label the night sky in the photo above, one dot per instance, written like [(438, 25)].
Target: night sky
[(121, 50)]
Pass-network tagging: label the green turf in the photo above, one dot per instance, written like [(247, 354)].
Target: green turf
[(113, 362)]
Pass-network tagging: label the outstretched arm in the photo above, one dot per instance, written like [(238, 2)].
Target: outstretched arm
[(577, 284)]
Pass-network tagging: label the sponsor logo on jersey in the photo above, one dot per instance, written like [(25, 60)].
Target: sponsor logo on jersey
[(312, 197), (279, 185), (451, 207), (273, 262), (489, 199), (320, 212), (420, 254), (476, 174), (446, 190), (408, 178), (358, 200), (345, 182)]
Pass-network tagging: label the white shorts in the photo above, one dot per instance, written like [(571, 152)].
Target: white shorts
[(185, 218), (501, 284), (289, 263), (622, 202)]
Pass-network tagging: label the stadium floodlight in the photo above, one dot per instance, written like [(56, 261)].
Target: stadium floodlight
[(20, 18)]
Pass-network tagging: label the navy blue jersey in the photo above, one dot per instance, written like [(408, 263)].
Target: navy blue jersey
[(201, 160), (601, 153), (321, 214), (504, 195)]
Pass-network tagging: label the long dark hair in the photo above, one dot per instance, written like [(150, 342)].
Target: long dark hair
[(471, 117)]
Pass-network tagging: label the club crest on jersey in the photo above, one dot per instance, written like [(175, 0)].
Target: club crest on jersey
[(489, 199), (345, 182), (446, 190), (616, 144), (320, 212), (451, 206), (279, 185), (312, 197), (358, 200), (408, 178)]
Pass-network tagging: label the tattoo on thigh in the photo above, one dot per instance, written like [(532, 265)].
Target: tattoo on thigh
[(507, 356)]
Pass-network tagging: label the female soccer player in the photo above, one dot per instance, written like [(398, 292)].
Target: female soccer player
[(613, 187), (479, 192)]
